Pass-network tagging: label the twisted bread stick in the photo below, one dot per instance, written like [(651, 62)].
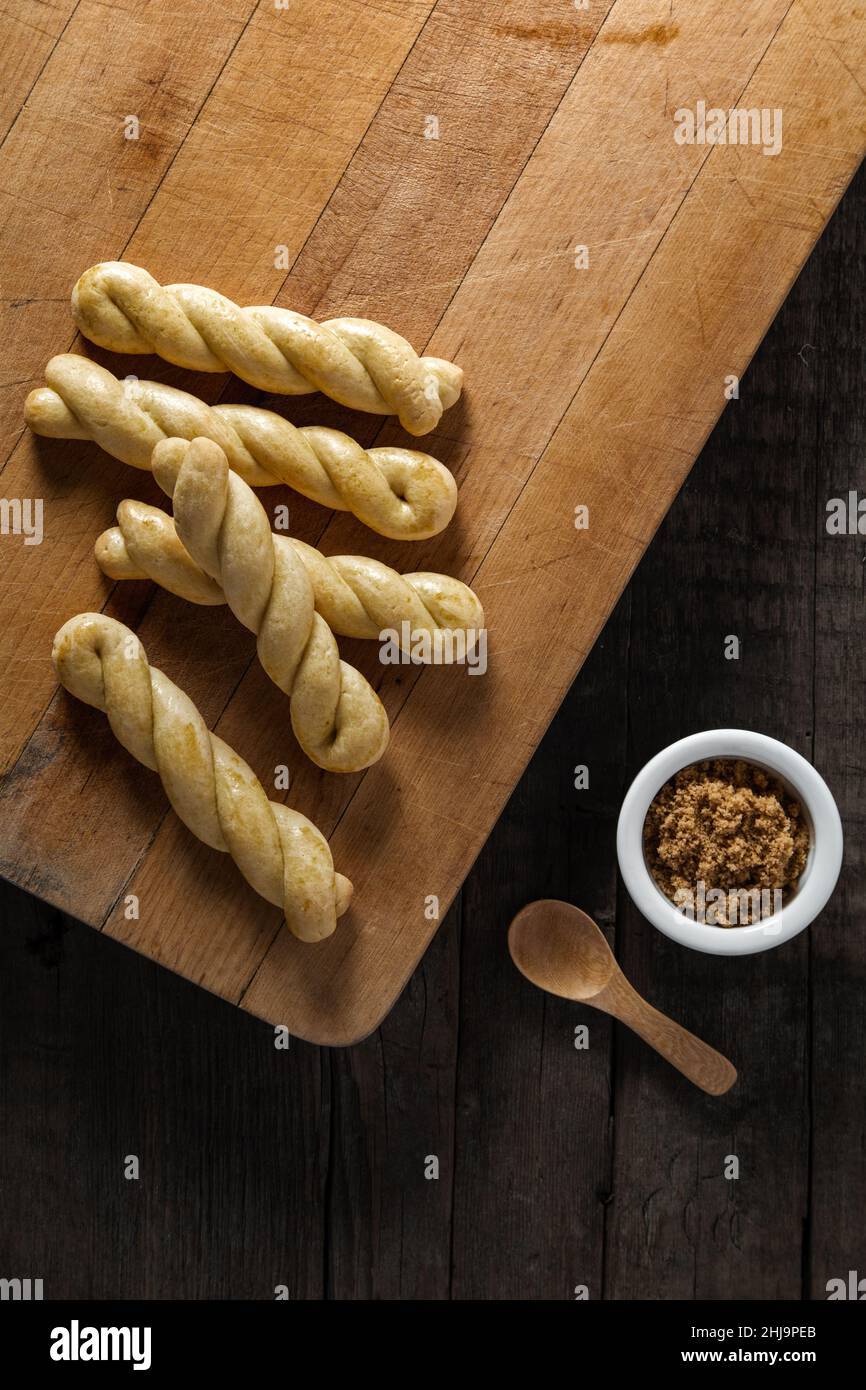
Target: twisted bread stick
[(356, 596), (279, 852), (354, 361), (338, 718), (398, 492)]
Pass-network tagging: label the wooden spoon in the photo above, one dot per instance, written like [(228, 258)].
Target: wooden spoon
[(563, 951)]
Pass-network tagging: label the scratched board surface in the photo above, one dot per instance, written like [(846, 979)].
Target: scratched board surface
[(530, 189)]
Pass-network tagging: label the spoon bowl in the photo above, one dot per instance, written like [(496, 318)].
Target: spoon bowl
[(561, 950)]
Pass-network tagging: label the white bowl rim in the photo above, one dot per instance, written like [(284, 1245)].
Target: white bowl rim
[(825, 855)]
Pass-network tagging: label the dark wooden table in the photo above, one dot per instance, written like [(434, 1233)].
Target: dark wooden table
[(557, 1167)]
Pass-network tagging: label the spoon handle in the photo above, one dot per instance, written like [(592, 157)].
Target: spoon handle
[(695, 1059)]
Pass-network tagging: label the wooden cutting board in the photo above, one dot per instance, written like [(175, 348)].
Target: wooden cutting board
[(438, 166)]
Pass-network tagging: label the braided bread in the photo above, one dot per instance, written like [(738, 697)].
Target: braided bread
[(279, 852), (354, 361), (337, 717), (356, 596), (398, 492)]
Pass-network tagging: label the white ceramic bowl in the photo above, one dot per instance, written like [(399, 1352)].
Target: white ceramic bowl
[(816, 882)]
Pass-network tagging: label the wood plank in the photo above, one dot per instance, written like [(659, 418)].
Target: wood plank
[(534, 1131), (832, 361), (104, 1057), (389, 1223), (678, 1228), (551, 303)]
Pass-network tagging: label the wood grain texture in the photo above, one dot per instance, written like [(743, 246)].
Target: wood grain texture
[(529, 1102), (90, 1087), (26, 42), (408, 216), (72, 188), (576, 397), (305, 1168)]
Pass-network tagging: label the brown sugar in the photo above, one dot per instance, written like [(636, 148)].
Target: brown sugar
[(726, 834)]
